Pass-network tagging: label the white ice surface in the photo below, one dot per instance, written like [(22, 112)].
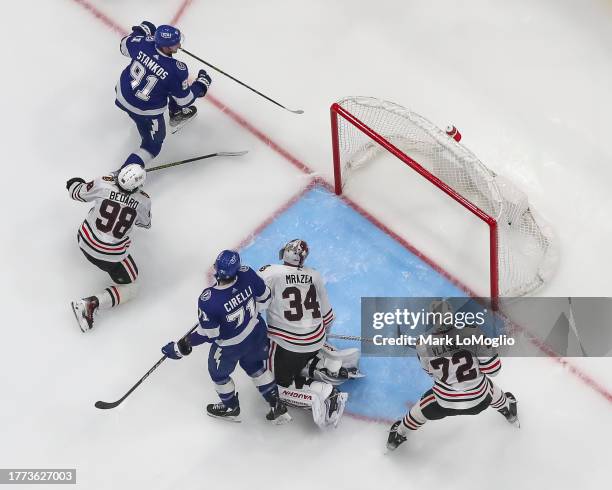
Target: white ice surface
[(526, 82)]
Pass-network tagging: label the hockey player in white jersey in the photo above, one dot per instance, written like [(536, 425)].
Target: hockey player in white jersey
[(104, 235), (462, 384), (298, 317)]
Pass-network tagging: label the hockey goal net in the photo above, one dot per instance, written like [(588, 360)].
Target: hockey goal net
[(521, 254)]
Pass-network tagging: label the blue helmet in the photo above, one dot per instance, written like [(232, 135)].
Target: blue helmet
[(227, 264), (166, 36)]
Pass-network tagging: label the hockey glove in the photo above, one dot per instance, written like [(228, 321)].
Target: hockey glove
[(73, 180), (176, 350), (145, 28), (201, 84)]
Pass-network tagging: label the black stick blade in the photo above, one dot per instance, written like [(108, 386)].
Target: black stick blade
[(106, 405)]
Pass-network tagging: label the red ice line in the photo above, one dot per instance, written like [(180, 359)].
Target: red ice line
[(185, 4)]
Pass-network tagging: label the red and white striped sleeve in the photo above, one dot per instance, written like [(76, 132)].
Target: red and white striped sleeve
[(88, 191), (489, 365), (78, 189)]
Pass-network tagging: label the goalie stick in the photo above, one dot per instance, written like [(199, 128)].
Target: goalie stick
[(358, 339), (295, 111), (349, 337), (108, 405), (195, 159)]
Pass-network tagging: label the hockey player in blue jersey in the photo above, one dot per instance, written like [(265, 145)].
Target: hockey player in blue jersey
[(229, 318), (153, 81)]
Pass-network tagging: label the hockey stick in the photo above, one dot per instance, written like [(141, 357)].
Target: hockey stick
[(195, 159), (357, 338), (296, 111), (349, 337), (107, 405)]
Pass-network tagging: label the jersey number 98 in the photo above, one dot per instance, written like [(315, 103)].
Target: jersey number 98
[(116, 219)]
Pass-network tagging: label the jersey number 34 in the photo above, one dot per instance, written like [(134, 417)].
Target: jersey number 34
[(297, 306)]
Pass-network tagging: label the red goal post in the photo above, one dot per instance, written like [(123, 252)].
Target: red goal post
[(362, 127)]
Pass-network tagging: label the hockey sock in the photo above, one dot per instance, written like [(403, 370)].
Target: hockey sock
[(227, 392), (500, 401), (117, 294), (414, 419), (264, 380)]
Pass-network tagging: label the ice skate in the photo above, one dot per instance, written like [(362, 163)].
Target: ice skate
[(395, 438), (84, 310), (222, 411), (180, 118), (278, 413), (511, 413)]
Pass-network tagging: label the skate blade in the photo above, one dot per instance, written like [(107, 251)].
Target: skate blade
[(282, 419), (179, 126), (356, 375), (227, 418), (76, 317)]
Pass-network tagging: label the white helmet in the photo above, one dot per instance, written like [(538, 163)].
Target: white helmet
[(131, 177), (443, 314), (294, 252)]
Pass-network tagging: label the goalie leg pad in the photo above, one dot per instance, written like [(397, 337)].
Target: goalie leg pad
[(326, 403)]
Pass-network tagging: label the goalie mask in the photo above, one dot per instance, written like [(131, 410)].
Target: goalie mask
[(294, 252)]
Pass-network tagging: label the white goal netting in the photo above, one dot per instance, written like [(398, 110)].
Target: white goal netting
[(526, 256)]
